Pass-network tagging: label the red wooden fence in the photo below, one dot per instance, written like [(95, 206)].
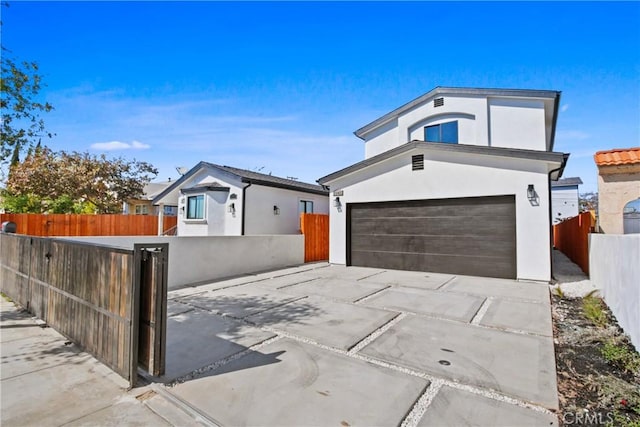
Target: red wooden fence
[(315, 228), (571, 237), (87, 225)]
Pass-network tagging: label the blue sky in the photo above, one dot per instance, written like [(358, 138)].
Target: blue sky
[(280, 87)]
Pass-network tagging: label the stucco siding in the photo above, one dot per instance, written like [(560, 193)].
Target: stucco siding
[(614, 192), (218, 220), (496, 122), (613, 271), (260, 217), (517, 123), (454, 175)]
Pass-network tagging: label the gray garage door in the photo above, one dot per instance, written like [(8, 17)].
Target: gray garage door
[(473, 236)]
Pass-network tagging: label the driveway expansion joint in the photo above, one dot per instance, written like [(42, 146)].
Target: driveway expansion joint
[(375, 334), (371, 295), (182, 405), (422, 404), (442, 286), (482, 310), (220, 363)]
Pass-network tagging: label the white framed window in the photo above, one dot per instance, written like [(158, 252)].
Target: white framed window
[(142, 210), (443, 132), (195, 207), (305, 206)]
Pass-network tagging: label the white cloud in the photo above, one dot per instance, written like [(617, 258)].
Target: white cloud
[(564, 108), (119, 145)]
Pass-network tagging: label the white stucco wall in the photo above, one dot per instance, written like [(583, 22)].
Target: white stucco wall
[(517, 123), (497, 122), (564, 203), (453, 175), (614, 266), (218, 221), (260, 218), (197, 259), (260, 200)]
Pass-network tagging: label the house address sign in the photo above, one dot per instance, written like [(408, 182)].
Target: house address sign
[(338, 193)]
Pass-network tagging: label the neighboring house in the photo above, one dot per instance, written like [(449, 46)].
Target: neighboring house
[(564, 199), (144, 206), (618, 190), (216, 200), (455, 181)]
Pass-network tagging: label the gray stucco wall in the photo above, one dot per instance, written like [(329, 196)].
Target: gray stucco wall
[(197, 259)]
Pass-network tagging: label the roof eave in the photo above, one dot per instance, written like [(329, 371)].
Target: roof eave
[(178, 182), (285, 186), (456, 148)]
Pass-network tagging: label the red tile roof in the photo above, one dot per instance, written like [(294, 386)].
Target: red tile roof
[(619, 156)]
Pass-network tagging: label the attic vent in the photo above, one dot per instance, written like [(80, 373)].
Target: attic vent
[(417, 162), (438, 102)]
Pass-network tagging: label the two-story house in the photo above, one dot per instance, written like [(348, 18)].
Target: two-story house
[(456, 181)]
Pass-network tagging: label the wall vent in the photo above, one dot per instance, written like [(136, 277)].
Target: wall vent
[(417, 162), (438, 102)]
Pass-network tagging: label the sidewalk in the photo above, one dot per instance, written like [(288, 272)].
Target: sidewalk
[(47, 381)]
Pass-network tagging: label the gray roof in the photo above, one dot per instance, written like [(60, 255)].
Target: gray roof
[(272, 181), (549, 156), (248, 177), (527, 93), (566, 182)]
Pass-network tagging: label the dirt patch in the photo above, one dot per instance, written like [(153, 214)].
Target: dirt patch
[(598, 369)]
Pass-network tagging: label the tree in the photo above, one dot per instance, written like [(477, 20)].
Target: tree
[(61, 182), (588, 201), (22, 125)]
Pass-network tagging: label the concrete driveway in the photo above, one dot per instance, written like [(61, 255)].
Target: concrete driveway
[(330, 345)]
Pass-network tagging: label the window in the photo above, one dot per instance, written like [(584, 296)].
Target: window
[(443, 132), (305, 206), (142, 210), (171, 210), (195, 207)]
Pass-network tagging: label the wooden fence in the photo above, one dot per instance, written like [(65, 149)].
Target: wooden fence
[(91, 294), (315, 228), (88, 225), (571, 237)]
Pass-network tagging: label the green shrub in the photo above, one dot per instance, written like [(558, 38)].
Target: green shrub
[(593, 309)]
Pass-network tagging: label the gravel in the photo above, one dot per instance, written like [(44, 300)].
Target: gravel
[(569, 277)]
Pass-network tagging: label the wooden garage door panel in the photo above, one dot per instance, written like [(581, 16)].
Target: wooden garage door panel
[(471, 236), (449, 264), (449, 226), (434, 244), (449, 207)]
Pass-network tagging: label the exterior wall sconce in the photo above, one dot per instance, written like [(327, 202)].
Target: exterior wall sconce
[(233, 196), (276, 210), (531, 193), (336, 202), (232, 208)]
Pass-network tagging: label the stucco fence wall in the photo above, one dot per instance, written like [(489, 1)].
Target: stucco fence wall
[(615, 270), (198, 259)]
